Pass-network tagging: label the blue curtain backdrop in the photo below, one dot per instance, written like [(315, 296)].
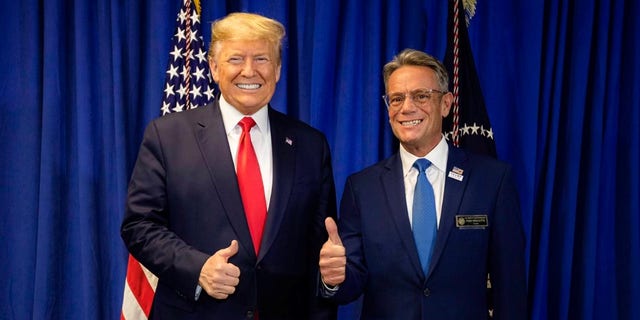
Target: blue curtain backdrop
[(79, 80)]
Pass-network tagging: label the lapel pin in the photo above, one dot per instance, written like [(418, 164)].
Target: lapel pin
[(288, 141), (456, 173)]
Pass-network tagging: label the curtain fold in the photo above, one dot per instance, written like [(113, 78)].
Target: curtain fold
[(582, 242), (80, 80)]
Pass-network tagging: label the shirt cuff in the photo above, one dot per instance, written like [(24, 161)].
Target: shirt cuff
[(328, 291), (198, 291)]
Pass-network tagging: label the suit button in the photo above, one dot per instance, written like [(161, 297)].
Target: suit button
[(249, 314), (426, 292)]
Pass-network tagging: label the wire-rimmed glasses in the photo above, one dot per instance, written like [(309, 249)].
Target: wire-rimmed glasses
[(419, 96)]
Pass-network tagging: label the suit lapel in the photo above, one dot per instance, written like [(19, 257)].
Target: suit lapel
[(214, 146), (453, 192), (393, 183), (283, 143)]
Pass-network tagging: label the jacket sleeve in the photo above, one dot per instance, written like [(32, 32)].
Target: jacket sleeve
[(321, 308), (349, 227), (145, 226)]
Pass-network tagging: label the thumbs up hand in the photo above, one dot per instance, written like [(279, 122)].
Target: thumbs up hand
[(333, 259), (218, 277)]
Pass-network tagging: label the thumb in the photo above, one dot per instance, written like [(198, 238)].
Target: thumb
[(229, 251), (332, 230)]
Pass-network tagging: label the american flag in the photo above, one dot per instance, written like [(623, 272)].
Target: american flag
[(468, 124), (188, 82), (187, 85)]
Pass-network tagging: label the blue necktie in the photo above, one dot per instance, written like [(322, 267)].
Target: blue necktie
[(424, 215)]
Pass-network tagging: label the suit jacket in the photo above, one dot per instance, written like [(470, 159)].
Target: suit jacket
[(382, 259), (184, 205)]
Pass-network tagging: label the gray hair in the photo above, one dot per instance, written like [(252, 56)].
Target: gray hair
[(411, 57)]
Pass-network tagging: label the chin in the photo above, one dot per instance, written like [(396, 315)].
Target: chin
[(251, 103), (409, 138)]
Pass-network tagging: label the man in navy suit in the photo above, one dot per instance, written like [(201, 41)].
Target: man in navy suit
[(477, 224), (185, 216)]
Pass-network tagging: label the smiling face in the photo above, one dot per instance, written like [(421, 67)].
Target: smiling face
[(417, 127), (246, 72)]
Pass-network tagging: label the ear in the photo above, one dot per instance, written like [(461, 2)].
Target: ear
[(213, 66), (445, 104), (278, 68)]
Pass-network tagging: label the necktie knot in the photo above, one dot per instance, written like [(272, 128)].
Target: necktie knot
[(246, 124), (422, 165)]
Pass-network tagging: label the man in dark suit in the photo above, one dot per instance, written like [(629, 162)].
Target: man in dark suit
[(422, 250), (221, 248)]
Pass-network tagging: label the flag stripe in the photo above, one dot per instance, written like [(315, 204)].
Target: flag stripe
[(141, 284), (131, 309), (138, 291)]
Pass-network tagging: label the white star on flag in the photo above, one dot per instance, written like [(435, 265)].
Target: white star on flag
[(188, 80)]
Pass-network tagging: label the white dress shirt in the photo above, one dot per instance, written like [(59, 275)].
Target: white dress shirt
[(260, 138), (435, 174)]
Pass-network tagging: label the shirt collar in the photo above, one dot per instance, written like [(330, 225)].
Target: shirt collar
[(231, 116), (437, 156)]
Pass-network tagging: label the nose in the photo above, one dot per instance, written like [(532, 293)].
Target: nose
[(408, 104), (248, 69)]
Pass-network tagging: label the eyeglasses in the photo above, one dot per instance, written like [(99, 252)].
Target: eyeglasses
[(420, 97)]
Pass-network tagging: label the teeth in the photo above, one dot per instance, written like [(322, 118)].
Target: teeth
[(248, 86), (411, 123)]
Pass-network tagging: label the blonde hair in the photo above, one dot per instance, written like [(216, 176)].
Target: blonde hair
[(247, 26)]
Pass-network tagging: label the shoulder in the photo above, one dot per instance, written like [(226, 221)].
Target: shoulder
[(185, 122), (476, 161), (389, 165), (479, 169), (290, 126), (186, 116), (178, 125)]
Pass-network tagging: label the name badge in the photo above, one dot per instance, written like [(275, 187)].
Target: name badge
[(475, 221)]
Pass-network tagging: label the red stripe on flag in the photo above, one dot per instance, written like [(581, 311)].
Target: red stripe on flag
[(139, 285)]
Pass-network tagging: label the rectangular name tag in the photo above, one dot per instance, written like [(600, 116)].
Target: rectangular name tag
[(472, 221)]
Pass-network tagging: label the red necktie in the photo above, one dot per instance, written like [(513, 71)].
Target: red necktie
[(250, 183)]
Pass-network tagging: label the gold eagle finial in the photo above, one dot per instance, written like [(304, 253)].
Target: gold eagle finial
[(469, 10)]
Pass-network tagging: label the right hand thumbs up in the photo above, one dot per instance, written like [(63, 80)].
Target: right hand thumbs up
[(332, 230), (229, 251), (218, 277), (333, 260)]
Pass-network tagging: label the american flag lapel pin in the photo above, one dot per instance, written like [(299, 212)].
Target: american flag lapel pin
[(288, 141), (456, 173)]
